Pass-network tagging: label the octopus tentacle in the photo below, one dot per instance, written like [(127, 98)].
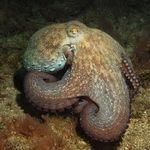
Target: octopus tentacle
[(104, 123), (99, 128), (69, 53), (130, 75), (106, 116), (79, 105), (37, 86)]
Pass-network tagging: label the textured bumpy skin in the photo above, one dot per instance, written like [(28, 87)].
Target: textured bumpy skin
[(97, 73)]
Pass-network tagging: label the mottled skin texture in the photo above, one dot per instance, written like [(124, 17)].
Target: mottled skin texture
[(97, 74)]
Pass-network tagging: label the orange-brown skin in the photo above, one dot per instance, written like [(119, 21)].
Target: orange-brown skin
[(95, 74)]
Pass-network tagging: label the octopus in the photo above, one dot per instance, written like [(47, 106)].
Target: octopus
[(73, 65)]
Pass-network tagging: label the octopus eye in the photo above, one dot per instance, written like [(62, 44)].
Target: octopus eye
[(73, 31)]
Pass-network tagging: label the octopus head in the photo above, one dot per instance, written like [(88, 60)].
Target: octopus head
[(52, 47)]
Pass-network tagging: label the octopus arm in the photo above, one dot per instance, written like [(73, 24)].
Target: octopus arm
[(106, 117), (55, 94), (103, 131), (48, 93), (130, 75)]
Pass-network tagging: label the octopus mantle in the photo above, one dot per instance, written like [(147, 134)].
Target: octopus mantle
[(70, 64)]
